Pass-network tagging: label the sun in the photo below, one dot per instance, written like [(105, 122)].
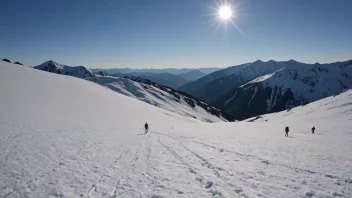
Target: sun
[(225, 15), (225, 12)]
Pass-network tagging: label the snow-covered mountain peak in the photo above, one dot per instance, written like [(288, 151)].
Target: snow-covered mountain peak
[(49, 64), (258, 62), (54, 67), (292, 61)]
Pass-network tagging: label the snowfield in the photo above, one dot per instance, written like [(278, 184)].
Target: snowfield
[(62, 136)]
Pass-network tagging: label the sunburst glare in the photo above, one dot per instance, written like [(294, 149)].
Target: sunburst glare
[(225, 12)]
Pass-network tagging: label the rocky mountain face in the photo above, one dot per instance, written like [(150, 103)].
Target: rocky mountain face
[(291, 86), (262, 87), (211, 87)]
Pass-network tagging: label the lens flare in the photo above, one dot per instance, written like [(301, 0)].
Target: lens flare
[(225, 12)]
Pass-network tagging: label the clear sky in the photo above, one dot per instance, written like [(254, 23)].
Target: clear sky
[(173, 33)]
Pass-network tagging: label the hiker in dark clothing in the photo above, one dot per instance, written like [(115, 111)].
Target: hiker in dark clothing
[(313, 129), (146, 127), (286, 131)]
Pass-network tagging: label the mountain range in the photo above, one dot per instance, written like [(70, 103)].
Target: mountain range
[(174, 71), (192, 75), (241, 91), (174, 78), (167, 79), (257, 88)]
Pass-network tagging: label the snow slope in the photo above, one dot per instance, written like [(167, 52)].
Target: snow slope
[(156, 96), (338, 107), (153, 94), (69, 137)]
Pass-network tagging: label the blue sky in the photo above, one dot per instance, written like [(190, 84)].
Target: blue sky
[(173, 33)]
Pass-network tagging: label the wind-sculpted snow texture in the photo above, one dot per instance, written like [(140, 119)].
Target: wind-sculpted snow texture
[(67, 137)]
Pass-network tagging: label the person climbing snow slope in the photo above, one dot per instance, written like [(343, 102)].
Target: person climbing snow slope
[(146, 127), (286, 131)]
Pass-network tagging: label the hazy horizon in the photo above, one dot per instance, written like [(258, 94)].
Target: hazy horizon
[(154, 68)]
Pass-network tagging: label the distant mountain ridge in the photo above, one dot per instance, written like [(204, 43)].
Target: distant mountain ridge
[(211, 86), (174, 78), (174, 71), (167, 79), (242, 91), (262, 87), (192, 75)]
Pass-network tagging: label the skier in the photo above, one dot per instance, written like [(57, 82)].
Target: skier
[(146, 127), (313, 129), (286, 131)]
